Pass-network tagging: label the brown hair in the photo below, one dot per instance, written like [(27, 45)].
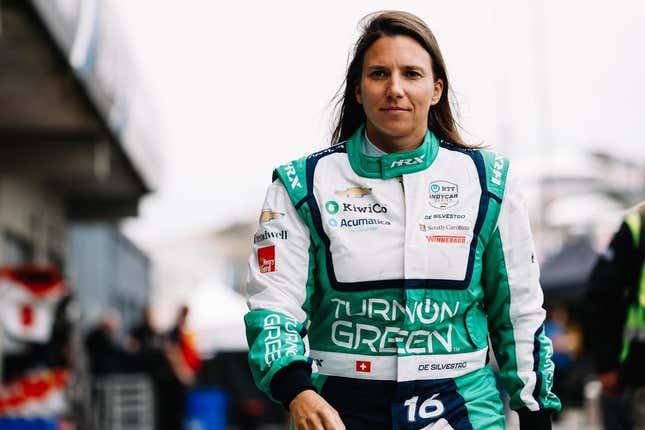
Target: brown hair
[(350, 114)]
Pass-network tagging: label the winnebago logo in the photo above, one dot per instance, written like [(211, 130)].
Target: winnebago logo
[(355, 192), (446, 239), (268, 215), (443, 194), (408, 161)]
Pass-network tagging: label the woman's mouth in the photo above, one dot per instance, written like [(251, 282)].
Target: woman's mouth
[(394, 109)]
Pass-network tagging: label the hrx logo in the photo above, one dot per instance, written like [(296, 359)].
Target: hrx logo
[(363, 366), (408, 161)]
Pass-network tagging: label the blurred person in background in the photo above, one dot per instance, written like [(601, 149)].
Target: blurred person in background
[(615, 326), (106, 354), (567, 342), (177, 373), (398, 251)]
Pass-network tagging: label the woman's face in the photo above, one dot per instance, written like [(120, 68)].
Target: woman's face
[(396, 89)]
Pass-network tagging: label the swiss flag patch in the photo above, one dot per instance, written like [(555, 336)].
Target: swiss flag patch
[(363, 366), (266, 259)]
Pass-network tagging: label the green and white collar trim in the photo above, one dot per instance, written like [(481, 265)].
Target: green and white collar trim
[(391, 165)]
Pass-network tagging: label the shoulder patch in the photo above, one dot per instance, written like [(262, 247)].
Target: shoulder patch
[(294, 174), (294, 177), (496, 171)]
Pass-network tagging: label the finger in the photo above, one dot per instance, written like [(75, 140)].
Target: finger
[(331, 420), (311, 422)]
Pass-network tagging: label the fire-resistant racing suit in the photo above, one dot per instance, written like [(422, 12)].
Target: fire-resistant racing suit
[(387, 275)]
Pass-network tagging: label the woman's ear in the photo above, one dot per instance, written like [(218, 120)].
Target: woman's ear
[(357, 93), (438, 90)]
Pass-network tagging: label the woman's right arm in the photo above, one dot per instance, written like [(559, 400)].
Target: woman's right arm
[(279, 289)]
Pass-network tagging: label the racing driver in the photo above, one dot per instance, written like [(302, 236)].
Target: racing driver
[(383, 264)]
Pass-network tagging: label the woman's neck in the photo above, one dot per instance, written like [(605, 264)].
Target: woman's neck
[(391, 144)]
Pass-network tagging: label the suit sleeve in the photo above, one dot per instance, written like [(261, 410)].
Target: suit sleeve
[(513, 297), (279, 278), (606, 302)]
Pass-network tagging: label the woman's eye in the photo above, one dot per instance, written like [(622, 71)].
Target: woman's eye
[(377, 74), (413, 74)]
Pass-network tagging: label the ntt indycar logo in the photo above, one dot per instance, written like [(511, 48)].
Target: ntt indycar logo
[(443, 194)]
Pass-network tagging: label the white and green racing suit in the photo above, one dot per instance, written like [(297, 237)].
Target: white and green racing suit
[(395, 270)]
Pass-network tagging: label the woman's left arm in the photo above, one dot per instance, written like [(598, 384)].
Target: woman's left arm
[(514, 299)]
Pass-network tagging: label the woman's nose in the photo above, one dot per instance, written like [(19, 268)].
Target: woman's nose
[(394, 87)]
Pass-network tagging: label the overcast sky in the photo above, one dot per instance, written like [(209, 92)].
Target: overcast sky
[(244, 86)]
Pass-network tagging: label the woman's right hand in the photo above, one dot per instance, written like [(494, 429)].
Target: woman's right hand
[(309, 411)]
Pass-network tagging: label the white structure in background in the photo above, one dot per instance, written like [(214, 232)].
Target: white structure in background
[(197, 271), (216, 317), (579, 194), (182, 266)]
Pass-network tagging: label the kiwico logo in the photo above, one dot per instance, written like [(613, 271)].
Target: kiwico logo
[(332, 207)]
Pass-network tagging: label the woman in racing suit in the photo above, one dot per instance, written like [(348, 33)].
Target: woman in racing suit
[(385, 262)]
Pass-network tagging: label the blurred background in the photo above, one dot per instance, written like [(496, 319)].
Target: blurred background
[(137, 139)]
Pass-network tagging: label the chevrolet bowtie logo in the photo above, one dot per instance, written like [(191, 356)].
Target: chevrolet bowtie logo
[(269, 215), (354, 192)]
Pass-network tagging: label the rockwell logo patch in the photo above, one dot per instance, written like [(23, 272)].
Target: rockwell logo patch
[(266, 259), (443, 194), (267, 234)]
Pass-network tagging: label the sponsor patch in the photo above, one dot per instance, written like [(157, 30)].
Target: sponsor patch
[(376, 208), (363, 366), (266, 259), (292, 176), (356, 192), (443, 194), (407, 161), (358, 224), (266, 235), (444, 216), (268, 215), (332, 207), (444, 227), (446, 239), (497, 170)]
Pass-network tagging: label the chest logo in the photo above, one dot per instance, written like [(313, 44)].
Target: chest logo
[(355, 192), (268, 215), (407, 161), (443, 194)]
